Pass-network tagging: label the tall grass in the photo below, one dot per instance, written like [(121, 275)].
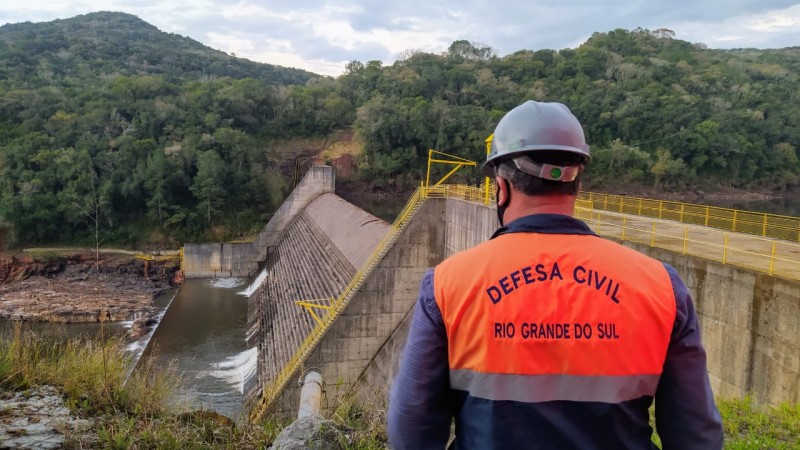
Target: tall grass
[(748, 426), (137, 414), (90, 373), (751, 427), (365, 427)]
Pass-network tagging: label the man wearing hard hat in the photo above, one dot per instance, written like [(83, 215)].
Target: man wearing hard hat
[(548, 336)]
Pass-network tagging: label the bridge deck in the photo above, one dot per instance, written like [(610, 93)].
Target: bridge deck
[(763, 254)]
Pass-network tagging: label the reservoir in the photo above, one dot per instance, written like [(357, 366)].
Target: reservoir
[(784, 206)]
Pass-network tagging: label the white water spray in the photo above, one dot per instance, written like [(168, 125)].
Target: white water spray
[(255, 284), (226, 283), (237, 369)]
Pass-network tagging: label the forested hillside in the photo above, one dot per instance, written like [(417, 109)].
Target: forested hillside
[(656, 110), (156, 151), (68, 53), (106, 121)]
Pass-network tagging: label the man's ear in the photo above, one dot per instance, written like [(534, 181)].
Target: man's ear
[(502, 190)]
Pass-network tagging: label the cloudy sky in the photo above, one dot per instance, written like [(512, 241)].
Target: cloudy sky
[(323, 35)]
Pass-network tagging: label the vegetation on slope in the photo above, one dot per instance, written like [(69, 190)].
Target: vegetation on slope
[(150, 137), (72, 52), (106, 122)]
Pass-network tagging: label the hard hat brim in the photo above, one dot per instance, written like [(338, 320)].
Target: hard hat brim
[(488, 166)]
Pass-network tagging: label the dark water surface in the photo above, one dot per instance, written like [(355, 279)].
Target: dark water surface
[(203, 335), (786, 206)]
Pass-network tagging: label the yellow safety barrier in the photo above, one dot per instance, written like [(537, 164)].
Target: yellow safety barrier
[(157, 258), (459, 191), (770, 256), (762, 224), (456, 161), (478, 195), (311, 305)]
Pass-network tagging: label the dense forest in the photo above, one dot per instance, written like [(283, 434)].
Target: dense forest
[(109, 125)]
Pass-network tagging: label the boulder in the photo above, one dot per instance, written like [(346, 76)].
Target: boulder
[(36, 419), (311, 433)]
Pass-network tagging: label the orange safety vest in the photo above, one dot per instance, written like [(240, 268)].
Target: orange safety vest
[(541, 317)]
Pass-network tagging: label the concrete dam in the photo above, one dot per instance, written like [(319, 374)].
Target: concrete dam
[(339, 287)]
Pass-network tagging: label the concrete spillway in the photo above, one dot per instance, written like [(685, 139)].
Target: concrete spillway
[(320, 247), (312, 263)]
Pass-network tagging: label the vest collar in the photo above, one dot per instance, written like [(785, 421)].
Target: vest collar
[(546, 224)]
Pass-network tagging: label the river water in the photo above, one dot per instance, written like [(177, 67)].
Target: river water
[(203, 335)]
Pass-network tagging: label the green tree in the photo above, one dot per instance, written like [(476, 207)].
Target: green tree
[(665, 167), (208, 184)]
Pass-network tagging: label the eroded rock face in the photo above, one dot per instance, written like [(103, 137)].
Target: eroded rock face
[(311, 433), (15, 269), (36, 419)]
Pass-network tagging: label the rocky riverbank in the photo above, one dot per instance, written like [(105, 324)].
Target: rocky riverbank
[(77, 288), (37, 419)]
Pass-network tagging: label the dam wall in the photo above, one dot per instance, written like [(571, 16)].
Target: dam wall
[(378, 308), (320, 252), (750, 322), (218, 260), (317, 181)]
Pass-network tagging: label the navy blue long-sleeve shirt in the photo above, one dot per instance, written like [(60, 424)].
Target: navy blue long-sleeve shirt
[(422, 403)]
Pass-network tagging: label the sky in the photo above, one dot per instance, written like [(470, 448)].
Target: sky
[(322, 36)]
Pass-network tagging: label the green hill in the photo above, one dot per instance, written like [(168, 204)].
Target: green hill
[(73, 51), (155, 138), (151, 137), (657, 110)]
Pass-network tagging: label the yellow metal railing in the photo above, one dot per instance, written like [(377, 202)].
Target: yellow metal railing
[(157, 258), (460, 191), (311, 305), (272, 391), (767, 255), (761, 224), (456, 161), (478, 195)]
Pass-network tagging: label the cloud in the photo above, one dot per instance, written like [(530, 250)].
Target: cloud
[(323, 35), (773, 29)]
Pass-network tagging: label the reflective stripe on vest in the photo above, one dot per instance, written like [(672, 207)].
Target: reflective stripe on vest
[(538, 317)]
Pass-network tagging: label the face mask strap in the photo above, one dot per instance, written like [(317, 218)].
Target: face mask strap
[(501, 210)]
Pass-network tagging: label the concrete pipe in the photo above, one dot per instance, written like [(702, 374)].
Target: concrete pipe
[(310, 394)]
